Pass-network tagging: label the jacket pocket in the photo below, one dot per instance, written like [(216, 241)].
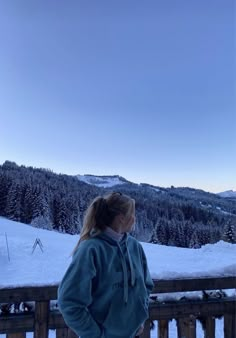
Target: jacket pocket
[(124, 320)]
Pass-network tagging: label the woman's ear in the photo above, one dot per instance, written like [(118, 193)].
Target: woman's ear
[(121, 218)]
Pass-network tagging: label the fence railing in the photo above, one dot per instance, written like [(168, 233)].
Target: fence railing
[(185, 311)]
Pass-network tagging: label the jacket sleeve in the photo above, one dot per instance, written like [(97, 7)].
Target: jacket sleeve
[(147, 277), (75, 294)]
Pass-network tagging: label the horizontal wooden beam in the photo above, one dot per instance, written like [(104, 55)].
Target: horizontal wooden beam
[(44, 293), (198, 308), (28, 293), (157, 311), (17, 323), (193, 284), (25, 322)]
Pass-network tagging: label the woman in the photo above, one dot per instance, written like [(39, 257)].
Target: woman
[(105, 291)]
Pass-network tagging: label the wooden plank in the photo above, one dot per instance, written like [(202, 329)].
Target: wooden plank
[(210, 328), (230, 325), (158, 311), (25, 322), (182, 327), (32, 293), (43, 293), (190, 284), (186, 327), (192, 327), (61, 333), (16, 335), (41, 319), (146, 332), (163, 328), (17, 323), (169, 310)]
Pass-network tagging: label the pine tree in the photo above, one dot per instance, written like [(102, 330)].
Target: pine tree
[(73, 215), (5, 183), (43, 222), (216, 235), (63, 219), (41, 216), (13, 207), (162, 233), (194, 241), (229, 232)]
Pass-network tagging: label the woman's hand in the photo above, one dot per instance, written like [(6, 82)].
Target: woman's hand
[(140, 330)]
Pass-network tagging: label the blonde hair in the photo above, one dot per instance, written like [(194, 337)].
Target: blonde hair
[(102, 212)]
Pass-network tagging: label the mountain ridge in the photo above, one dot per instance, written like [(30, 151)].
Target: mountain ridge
[(56, 201), (227, 194), (113, 180)]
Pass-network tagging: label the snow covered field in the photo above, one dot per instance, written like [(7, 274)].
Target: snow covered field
[(48, 267)]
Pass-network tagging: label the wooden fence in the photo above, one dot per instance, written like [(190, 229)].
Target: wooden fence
[(185, 311)]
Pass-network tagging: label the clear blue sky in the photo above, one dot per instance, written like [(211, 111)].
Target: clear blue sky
[(143, 89)]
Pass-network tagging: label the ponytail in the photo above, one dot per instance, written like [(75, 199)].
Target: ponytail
[(101, 213), (91, 225)]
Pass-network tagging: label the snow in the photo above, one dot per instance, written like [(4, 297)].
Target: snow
[(165, 262), (156, 189), (206, 205), (101, 181), (48, 267), (228, 193)]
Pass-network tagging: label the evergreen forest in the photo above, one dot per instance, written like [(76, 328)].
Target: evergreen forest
[(182, 217)]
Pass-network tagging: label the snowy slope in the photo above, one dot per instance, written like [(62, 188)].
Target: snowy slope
[(48, 267), (228, 194), (102, 181)]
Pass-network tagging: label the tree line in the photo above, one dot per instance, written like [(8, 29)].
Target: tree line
[(167, 216)]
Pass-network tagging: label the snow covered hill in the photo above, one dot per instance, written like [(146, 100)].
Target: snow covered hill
[(102, 181), (48, 267), (26, 267), (228, 194)]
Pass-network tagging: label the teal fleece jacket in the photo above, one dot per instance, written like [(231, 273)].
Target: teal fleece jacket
[(105, 291)]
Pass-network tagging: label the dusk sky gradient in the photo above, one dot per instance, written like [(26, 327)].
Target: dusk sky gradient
[(142, 89)]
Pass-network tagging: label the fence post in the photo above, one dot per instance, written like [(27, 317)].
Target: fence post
[(210, 328), (182, 327), (192, 326), (41, 319), (229, 325), (186, 327), (163, 328), (16, 335)]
